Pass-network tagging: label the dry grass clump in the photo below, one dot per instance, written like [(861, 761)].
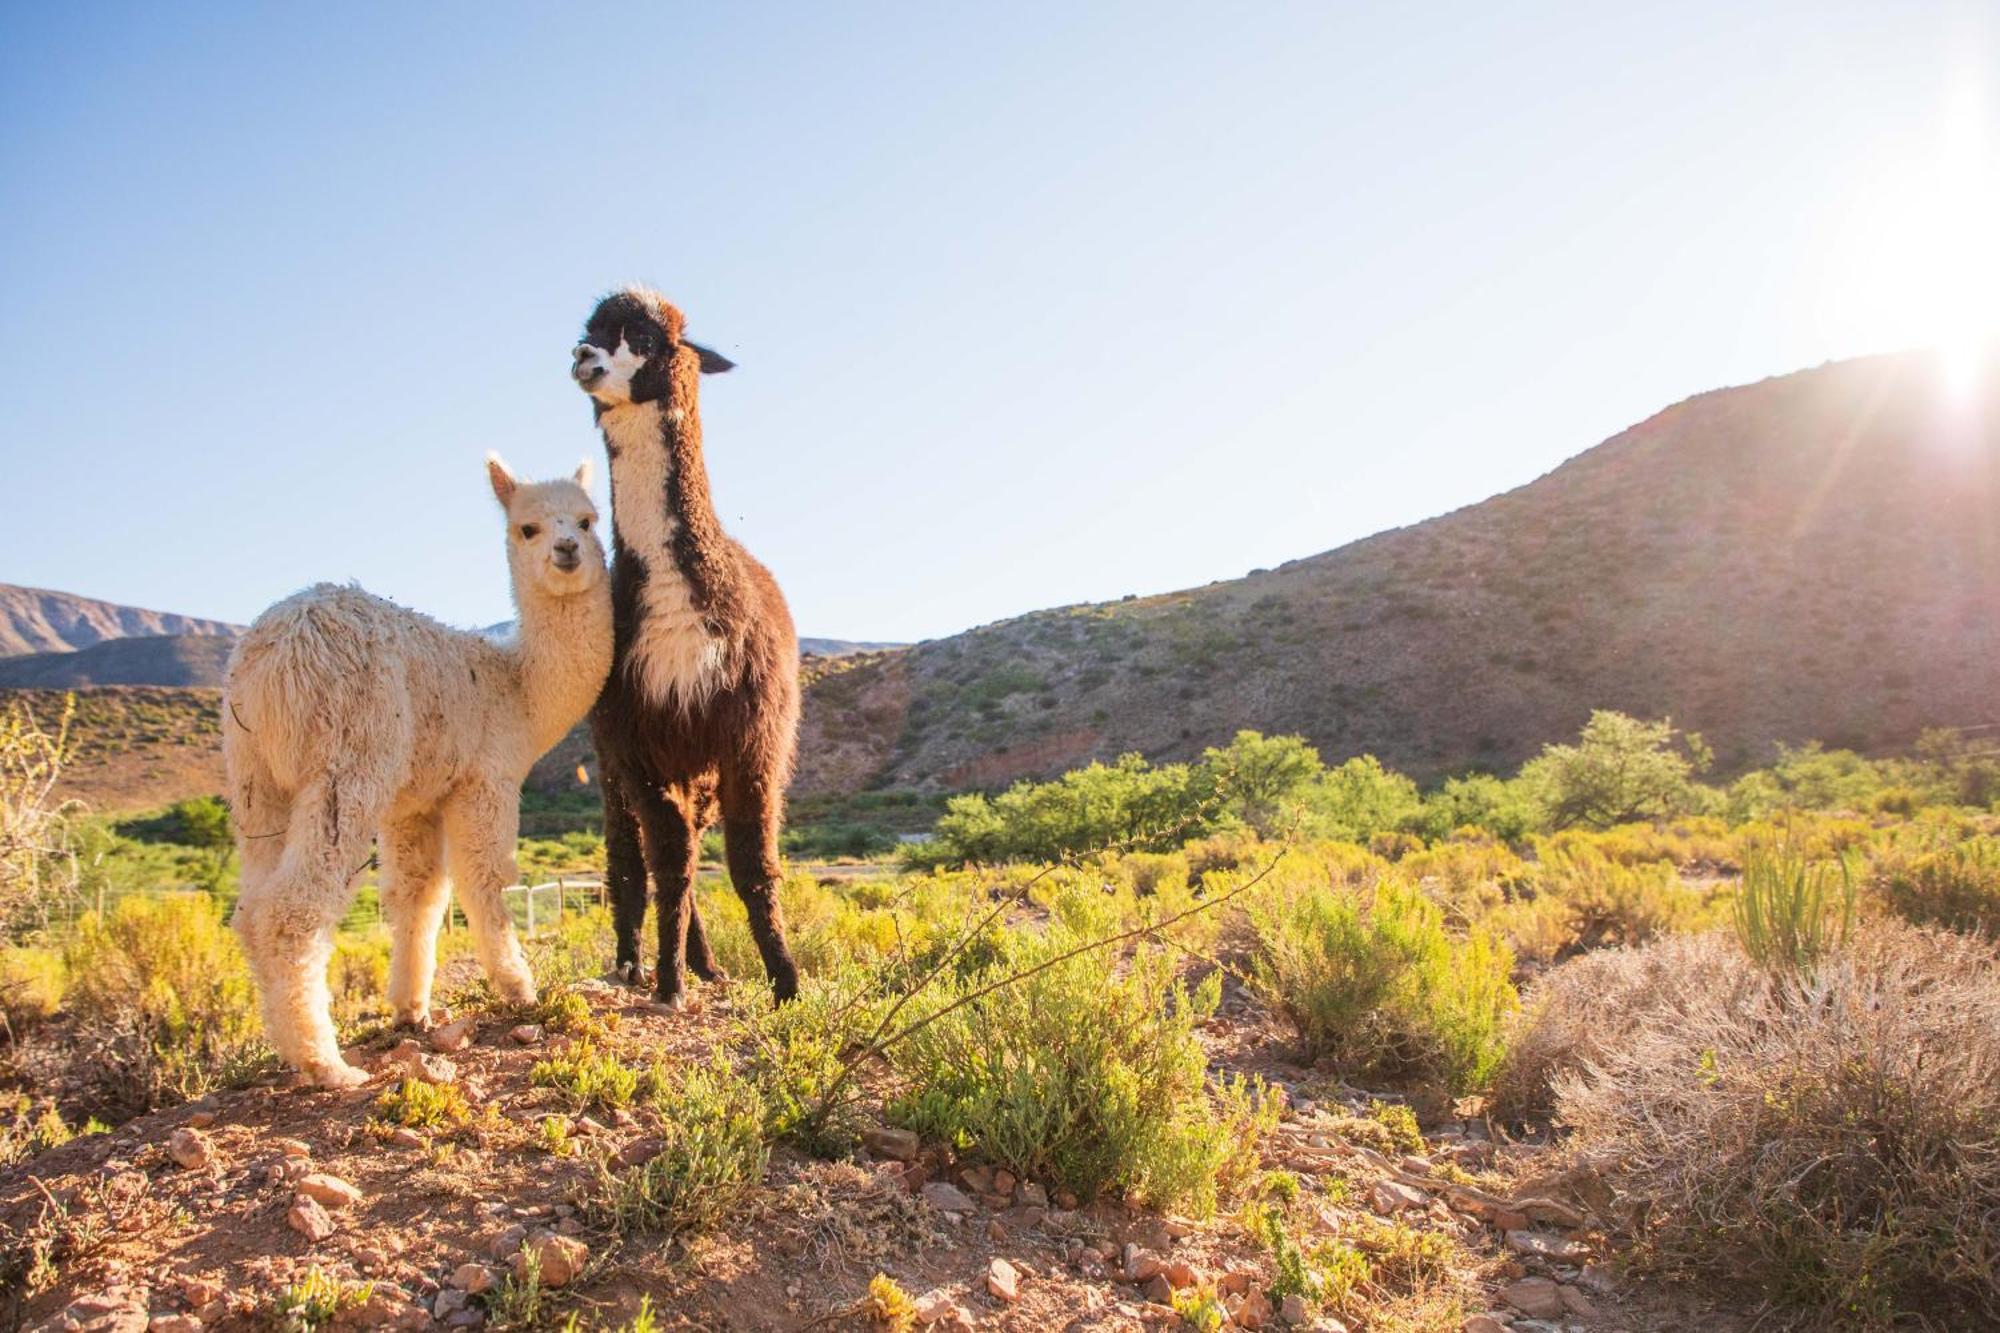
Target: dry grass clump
[(1831, 1137)]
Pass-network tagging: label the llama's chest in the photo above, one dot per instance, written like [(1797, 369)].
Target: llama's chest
[(671, 657)]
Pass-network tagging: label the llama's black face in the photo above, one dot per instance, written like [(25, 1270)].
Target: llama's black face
[(627, 346)]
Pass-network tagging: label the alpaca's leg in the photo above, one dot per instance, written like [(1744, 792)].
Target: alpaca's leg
[(414, 894), (752, 807), (285, 918), (480, 824), (624, 875), (670, 851)]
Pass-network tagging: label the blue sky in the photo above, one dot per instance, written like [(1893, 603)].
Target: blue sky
[(1034, 304)]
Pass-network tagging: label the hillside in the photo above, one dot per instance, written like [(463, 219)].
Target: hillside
[(166, 659), (1810, 556), (35, 620)]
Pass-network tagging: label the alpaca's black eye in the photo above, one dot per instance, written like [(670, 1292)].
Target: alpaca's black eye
[(528, 530), (583, 523)]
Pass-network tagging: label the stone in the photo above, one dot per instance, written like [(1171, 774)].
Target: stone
[(526, 1034), (641, 1151), (1179, 1273), (900, 1145), (330, 1191), (202, 1120), (507, 1242), (469, 1317), (402, 1136), (1577, 1303), (409, 1060), (561, 1258), (1066, 1200), (1141, 1264), (1157, 1289), (113, 1310), (1293, 1310), (936, 1306), (449, 1302), (947, 1198), (453, 1036), (977, 1179), (996, 1231), (1032, 1195), (200, 1291), (1150, 1233), (1250, 1310), (1506, 1219), (174, 1323), (191, 1149), (472, 1278), (309, 1219), (1004, 1182), (1536, 1297), (1549, 1212), (1417, 1166), (1393, 1196), (293, 1147), (1003, 1281), (1542, 1245), (1481, 1323), (1235, 1283)]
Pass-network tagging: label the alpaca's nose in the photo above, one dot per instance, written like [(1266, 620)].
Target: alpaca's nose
[(567, 546)]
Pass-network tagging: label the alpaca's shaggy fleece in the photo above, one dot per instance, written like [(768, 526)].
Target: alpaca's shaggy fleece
[(347, 718)]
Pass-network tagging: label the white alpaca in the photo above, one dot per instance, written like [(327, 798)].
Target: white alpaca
[(346, 718)]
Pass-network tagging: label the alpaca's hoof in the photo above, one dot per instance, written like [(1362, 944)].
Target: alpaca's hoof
[(633, 975), (417, 1020), (517, 991), (337, 1075)]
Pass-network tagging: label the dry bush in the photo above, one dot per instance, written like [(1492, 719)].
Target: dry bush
[(38, 867), (1831, 1138)]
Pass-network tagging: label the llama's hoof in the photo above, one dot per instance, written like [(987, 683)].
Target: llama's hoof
[(670, 1004), (708, 971), (631, 974)]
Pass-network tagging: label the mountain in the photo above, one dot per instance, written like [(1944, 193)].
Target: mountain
[(34, 620), (840, 647), (1813, 556), (165, 659)]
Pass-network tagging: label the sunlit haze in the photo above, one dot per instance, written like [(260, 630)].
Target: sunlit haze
[(1032, 305)]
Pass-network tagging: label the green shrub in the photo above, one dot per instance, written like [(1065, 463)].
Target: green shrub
[(1087, 1074), (31, 986), (163, 979), (1371, 980), (316, 1300), (713, 1122), (1790, 911), (1621, 770), (420, 1105), (591, 1077), (1955, 885)]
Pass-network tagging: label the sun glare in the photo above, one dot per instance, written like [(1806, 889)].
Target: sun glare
[(1959, 247)]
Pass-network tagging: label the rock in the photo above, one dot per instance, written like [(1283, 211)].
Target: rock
[(561, 1258), (453, 1036), (1179, 1273), (200, 1291), (936, 1306), (201, 1120), (191, 1150), (1293, 1310), (1481, 1323), (1595, 1277), (1541, 1245), (309, 1219), (472, 1278), (1552, 1213), (293, 1147), (641, 1151), (331, 1191), (1393, 1196), (1150, 1233), (409, 1060), (507, 1242), (389, 1306), (1235, 1283), (1417, 1166), (1004, 1182), (1003, 1281), (947, 1198), (1577, 1303), (467, 1318), (1141, 1265), (977, 1179), (1508, 1220), (996, 1231), (1032, 1195), (1066, 1200), (587, 1126), (1157, 1289), (404, 1137), (900, 1145), (113, 1310), (1536, 1297), (449, 1302), (526, 1034), (174, 1323), (1250, 1310)]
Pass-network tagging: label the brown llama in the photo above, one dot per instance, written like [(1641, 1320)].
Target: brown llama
[(700, 716)]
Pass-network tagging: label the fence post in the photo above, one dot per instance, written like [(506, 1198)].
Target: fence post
[(559, 902), (529, 889)]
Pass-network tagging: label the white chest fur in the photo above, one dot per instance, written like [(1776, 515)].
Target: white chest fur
[(673, 659)]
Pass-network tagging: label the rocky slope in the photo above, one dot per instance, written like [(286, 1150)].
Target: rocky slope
[(165, 659), (35, 620)]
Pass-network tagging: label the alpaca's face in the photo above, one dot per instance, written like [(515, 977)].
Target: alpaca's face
[(552, 542), (628, 346)]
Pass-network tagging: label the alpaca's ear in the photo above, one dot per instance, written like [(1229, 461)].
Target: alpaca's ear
[(582, 474), (503, 480), (712, 362)]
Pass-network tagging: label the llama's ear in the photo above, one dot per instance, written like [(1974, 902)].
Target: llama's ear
[(712, 362), (582, 474), (503, 480)]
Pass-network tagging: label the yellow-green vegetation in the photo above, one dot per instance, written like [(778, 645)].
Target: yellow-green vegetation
[(1085, 1072), (417, 1104), (316, 1300), (27, 1128), (38, 862), (1372, 981), (1790, 910), (1951, 884), (712, 1127), (888, 1306), (592, 1077)]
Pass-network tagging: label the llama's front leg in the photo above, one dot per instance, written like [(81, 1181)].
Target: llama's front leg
[(414, 894), (751, 812), (479, 831), (670, 855), (624, 876)]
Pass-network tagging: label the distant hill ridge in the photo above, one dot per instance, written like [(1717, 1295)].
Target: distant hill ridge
[(37, 620)]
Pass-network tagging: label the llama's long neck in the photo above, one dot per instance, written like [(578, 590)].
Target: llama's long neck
[(562, 650)]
